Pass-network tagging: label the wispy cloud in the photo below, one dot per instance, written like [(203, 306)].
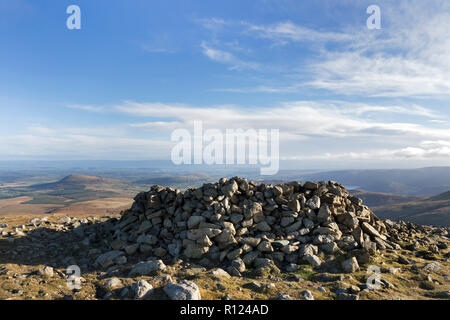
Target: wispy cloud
[(284, 32), (352, 130), (86, 107), (213, 24), (57, 145), (425, 150), (407, 58), (305, 118), (227, 58)]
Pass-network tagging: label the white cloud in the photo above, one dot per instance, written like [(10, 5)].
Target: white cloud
[(285, 32), (158, 125), (213, 24), (71, 146), (409, 57), (352, 130), (86, 107), (380, 75), (227, 58), (427, 150), (41, 130), (304, 118)]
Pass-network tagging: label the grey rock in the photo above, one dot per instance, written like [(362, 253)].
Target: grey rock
[(234, 254), (120, 260), (324, 213), (280, 243), (113, 283), (350, 265), (329, 247), (289, 249), (226, 237), (250, 257), (284, 296), (141, 289), (254, 286), (307, 295), (263, 226), (46, 271), (262, 262), (220, 273), (313, 203), (371, 231), (229, 189), (312, 260), (233, 271), (308, 249), (147, 267), (294, 205), (131, 249), (184, 290), (285, 221), (294, 227), (174, 249), (194, 221), (347, 296), (195, 251), (265, 246), (432, 266), (308, 223), (238, 264), (107, 259)]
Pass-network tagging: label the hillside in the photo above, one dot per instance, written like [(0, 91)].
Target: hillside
[(75, 180), (69, 190), (373, 199), (428, 211), (442, 196), (234, 239)]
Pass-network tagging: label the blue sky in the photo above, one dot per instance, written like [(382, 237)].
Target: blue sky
[(340, 94)]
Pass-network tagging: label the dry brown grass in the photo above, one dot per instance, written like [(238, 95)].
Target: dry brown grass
[(95, 207)]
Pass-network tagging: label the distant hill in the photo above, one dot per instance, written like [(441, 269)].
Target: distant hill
[(76, 188), (429, 211), (74, 180), (177, 181), (415, 182), (378, 198), (87, 180), (442, 196)]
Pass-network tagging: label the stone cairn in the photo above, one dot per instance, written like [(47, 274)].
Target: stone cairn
[(238, 224)]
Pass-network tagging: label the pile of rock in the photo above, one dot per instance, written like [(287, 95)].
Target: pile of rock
[(238, 224)]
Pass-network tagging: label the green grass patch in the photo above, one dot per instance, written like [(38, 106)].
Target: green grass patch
[(46, 200), (305, 272)]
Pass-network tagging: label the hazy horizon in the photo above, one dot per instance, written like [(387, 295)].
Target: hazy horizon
[(167, 164)]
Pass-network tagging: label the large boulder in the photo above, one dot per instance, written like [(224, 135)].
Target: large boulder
[(183, 290), (147, 267)]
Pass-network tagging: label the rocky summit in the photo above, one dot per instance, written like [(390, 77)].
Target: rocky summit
[(234, 239), (237, 224)]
